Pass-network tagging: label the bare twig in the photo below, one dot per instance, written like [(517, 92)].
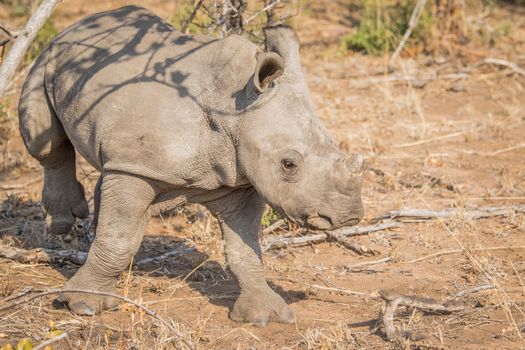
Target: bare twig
[(6, 32), (513, 66), (496, 152), (364, 82), (149, 312), (456, 251), (285, 240), (374, 262), (58, 338), (328, 289), (22, 42), (345, 242), (265, 9), (187, 23), (474, 290), (412, 23)]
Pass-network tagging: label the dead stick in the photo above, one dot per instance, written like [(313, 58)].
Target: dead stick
[(374, 262), (432, 139), (329, 289), (494, 153), (106, 294)]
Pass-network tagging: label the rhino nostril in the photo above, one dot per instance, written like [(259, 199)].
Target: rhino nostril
[(354, 163)]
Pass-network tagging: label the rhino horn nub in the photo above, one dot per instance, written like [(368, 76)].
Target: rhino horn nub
[(354, 163), (283, 40)]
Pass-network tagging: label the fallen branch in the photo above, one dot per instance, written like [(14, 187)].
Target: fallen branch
[(285, 240), (513, 66), (423, 214), (149, 312), (393, 300), (22, 42)]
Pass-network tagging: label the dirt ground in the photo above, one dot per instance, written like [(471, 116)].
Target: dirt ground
[(452, 139)]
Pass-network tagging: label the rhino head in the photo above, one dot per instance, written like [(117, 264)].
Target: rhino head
[(286, 152)]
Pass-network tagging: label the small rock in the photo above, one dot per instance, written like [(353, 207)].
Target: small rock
[(419, 84), (457, 87)]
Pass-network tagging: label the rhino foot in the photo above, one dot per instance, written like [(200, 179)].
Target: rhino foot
[(84, 303), (261, 306)]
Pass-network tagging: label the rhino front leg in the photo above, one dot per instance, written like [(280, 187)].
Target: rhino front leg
[(240, 216), (124, 203)]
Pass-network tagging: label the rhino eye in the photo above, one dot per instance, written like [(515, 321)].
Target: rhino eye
[(288, 165)]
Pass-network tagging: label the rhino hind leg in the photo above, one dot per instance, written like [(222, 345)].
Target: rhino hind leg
[(123, 212), (46, 141)]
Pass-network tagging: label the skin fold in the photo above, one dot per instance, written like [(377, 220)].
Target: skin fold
[(170, 119)]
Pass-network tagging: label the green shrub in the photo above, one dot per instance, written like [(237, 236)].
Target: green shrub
[(269, 217), (383, 24)]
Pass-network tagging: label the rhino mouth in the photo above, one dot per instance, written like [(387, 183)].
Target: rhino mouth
[(319, 222), (323, 222)]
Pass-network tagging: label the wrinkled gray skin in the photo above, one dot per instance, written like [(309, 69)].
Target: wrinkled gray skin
[(170, 119)]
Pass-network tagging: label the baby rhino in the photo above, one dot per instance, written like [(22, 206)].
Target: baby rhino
[(169, 119)]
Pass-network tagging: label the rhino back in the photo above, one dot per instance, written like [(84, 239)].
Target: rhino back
[(134, 95)]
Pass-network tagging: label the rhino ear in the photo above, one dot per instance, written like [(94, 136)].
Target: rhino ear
[(283, 40), (270, 66)]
